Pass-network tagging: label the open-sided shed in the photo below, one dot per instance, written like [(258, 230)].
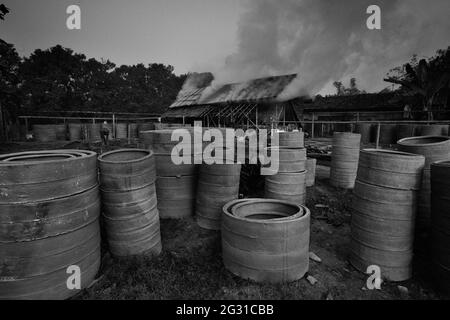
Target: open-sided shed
[(253, 103)]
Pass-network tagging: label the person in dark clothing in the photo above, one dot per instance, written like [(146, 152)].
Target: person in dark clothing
[(407, 112), (105, 133)]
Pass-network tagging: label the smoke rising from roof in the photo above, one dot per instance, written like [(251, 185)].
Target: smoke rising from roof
[(197, 80), (328, 40)]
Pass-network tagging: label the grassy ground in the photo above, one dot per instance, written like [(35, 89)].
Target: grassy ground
[(190, 266)]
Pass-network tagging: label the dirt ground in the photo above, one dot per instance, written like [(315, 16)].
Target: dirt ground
[(190, 265)]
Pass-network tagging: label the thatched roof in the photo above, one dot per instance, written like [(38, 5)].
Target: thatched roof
[(255, 91)]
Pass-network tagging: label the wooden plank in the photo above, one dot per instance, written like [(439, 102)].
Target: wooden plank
[(378, 136), (2, 124)]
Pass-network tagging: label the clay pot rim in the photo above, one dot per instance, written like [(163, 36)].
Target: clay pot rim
[(441, 163), (81, 154), (405, 141), (387, 153), (101, 158), (303, 212)]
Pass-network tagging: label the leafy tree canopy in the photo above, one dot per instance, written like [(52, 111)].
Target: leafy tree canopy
[(427, 78), (58, 79), (341, 90), (9, 77)]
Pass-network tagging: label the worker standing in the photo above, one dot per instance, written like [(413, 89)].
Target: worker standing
[(105, 133), (407, 112)]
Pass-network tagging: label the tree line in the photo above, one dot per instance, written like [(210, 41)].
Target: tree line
[(58, 79), (428, 80)]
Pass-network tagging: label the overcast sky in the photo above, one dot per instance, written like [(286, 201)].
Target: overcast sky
[(188, 34), (321, 40)]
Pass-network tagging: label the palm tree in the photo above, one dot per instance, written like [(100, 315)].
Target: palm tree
[(427, 79)]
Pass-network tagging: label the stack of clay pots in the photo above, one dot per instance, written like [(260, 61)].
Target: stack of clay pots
[(289, 181)]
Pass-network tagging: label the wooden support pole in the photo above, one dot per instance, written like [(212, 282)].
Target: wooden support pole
[(113, 134), (26, 125), (378, 135), (312, 127), (2, 125), (85, 134), (276, 113), (129, 133)]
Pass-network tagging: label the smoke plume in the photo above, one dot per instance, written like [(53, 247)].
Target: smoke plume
[(197, 80), (328, 40)]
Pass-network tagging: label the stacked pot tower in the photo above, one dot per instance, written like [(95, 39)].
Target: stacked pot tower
[(289, 182)]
